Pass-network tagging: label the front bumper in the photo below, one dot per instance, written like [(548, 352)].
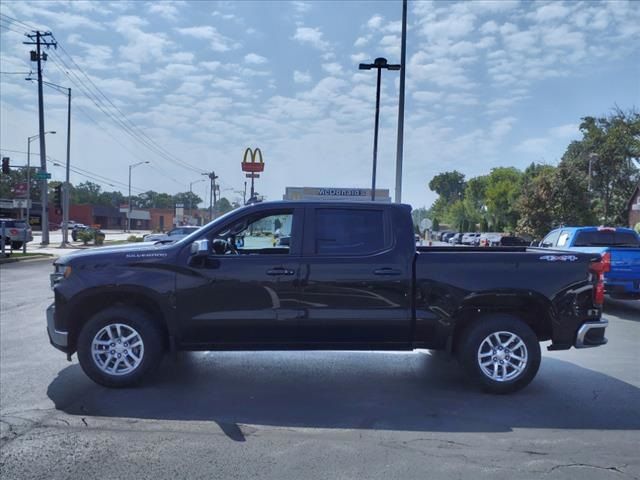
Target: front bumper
[(591, 334), (58, 339)]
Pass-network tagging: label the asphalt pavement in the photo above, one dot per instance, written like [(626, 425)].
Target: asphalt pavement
[(308, 415)]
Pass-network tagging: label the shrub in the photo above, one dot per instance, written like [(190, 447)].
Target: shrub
[(85, 236), (134, 239), (98, 237), (637, 227)]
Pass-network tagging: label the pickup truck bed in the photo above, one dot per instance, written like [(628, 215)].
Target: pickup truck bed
[(349, 277)]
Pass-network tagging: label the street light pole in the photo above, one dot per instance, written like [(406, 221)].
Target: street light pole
[(378, 64), (29, 139), (403, 71), (131, 167), (191, 194)]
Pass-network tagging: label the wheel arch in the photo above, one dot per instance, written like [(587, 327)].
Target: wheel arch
[(532, 308), (81, 310)]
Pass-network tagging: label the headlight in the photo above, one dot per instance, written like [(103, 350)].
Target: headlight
[(60, 272)]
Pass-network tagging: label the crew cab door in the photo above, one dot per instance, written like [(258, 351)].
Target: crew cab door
[(243, 296), (355, 278)]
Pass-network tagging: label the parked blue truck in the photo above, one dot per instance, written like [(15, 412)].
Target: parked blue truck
[(618, 246)]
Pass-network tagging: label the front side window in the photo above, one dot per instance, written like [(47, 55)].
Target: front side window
[(562, 241), (349, 231), (268, 233)]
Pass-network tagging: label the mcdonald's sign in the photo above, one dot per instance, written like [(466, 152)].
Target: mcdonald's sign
[(252, 165)]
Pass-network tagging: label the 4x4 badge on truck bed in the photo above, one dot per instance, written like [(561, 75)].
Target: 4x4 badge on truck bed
[(559, 258)]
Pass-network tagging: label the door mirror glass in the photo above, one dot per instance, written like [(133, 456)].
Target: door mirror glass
[(200, 248)]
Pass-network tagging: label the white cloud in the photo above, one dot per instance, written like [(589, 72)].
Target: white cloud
[(164, 9), (218, 42), (375, 22), (254, 58), (301, 77), (362, 41), (359, 57), (425, 96), (142, 46), (332, 68), (311, 36)]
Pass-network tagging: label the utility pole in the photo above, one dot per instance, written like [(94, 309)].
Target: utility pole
[(403, 71), (67, 185), (38, 56), (244, 196), (212, 192)]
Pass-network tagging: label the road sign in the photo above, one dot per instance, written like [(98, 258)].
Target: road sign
[(20, 190), (42, 176), (252, 175), (425, 224), (21, 203)]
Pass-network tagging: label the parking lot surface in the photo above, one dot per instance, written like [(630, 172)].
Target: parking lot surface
[(295, 415)]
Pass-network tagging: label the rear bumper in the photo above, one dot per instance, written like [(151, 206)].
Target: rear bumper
[(591, 334), (58, 339)]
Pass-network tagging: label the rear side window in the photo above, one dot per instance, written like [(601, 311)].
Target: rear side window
[(606, 238), (349, 232)]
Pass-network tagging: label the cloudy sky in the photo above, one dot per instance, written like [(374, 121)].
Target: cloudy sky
[(189, 85)]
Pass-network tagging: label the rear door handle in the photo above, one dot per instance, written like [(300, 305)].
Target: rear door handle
[(280, 271), (387, 271)]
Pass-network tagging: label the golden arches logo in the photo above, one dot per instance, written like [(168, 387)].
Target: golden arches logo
[(252, 165)]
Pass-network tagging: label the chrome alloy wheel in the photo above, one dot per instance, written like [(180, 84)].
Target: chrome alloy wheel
[(502, 356), (117, 349)]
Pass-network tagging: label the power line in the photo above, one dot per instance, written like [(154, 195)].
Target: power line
[(9, 19), (124, 122), (80, 171)]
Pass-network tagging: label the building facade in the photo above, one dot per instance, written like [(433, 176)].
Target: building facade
[(336, 194)]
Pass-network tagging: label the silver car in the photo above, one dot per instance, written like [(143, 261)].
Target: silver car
[(14, 232), (172, 235)]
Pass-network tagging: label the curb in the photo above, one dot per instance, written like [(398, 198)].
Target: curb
[(27, 259)]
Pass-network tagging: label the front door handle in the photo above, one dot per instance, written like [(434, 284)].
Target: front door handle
[(387, 271), (280, 271)]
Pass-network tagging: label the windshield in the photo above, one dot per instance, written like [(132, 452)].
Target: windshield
[(607, 238)]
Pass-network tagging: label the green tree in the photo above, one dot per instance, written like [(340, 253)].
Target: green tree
[(537, 201), (436, 225), (224, 206), (449, 185), (85, 193), (188, 199), (502, 192), (613, 144)]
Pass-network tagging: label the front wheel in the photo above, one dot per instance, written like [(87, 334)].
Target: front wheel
[(16, 245), (500, 352), (119, 346)]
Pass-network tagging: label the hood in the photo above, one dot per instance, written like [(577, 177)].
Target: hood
[(129, 250)]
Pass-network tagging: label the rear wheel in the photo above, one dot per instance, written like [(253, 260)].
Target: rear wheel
[(119, 346), (500, 352)]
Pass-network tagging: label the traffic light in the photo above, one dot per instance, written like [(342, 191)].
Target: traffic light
[(57, 196), (5, 165)]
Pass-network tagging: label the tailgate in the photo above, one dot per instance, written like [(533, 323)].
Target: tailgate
[(625, 263)]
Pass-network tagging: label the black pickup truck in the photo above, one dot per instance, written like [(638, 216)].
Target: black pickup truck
[(349, 277)]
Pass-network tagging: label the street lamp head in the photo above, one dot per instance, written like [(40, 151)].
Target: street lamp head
[(380, 62), (365, 66), (53, 132), (394, 67), (147, 161)]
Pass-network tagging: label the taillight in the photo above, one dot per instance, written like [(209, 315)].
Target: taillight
[(13, 231), (599, 269)]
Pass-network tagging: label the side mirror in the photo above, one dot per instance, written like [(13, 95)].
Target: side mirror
[(200, 248)]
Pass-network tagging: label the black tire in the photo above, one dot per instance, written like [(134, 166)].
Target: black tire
[(16, 245), (473, 339), (132, 318)]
